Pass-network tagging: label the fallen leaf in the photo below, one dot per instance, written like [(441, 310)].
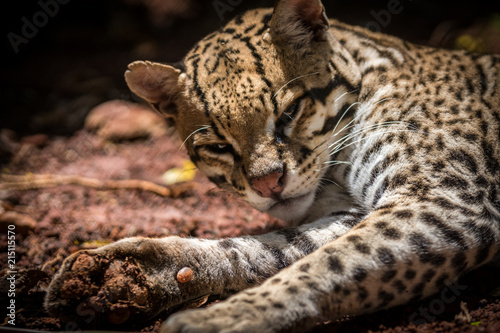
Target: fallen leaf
[(178, 175)]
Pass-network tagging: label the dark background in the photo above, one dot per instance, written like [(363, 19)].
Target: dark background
[(77, 57)]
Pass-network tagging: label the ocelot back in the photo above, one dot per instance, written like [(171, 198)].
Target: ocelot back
[(382, 155)]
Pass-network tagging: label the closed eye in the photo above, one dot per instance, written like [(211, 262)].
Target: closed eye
[(286, 117), (219, 148)]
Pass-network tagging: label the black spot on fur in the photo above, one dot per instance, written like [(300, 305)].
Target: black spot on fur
[(450, 235), (454, 182), (329, 250), (428, 275), (385, 298), (399, 285), (281, 260), (335, 265), (312, 285), (362, 293), (278, 305), (362, 248), (227, 244), (389, 275), (463, 158), (410, 274), (386, 256), (441, 280), (403, 214), (438, 260), (299, 240), (492, 164), (421, 246), (398, 181), (388, 232), (354, 238), (359, 274), (418, 289), (304, 268)]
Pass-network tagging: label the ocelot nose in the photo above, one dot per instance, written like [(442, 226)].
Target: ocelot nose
[(271, 185)]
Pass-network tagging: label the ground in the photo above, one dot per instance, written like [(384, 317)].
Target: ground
[(53, 222)]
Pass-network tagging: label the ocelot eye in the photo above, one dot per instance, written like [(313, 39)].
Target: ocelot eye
[(219, 148), (286, 117)]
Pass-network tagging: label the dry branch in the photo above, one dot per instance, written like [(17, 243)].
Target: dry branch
[(32, 181)]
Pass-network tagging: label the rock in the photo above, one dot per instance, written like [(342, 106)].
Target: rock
[(23, 223), (118, 120), (38, 140)]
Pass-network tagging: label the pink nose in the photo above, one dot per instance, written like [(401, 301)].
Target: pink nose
[(269, 185)]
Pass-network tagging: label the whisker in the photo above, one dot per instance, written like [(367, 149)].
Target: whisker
[(341, 118), (330, 164), (360, 114), (337, 162), (335, 134), (345, 112), (347, 137), (190, 135), (346, 93), (368, 128), (340, 148), (298, 77), (339, 143), (383, 100), (330, 181), (348, 125)]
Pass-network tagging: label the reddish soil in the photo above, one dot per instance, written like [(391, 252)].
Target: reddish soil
[(69, 218)]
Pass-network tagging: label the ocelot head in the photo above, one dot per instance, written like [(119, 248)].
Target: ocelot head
[(258, 103)]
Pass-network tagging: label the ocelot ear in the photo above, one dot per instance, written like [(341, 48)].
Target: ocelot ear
[(298, 23), (156, 83)]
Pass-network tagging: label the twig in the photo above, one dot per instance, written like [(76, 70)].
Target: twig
[(32, 181)]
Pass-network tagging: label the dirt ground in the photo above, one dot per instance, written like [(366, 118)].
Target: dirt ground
[(51, 223), (64, 188)]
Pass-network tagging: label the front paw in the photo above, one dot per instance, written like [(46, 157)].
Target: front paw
[(224, 317), (129, 281)]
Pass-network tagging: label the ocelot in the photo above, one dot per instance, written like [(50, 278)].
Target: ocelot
[(383, 157)]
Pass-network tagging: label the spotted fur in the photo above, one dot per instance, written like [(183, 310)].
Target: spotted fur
[(382, 155)]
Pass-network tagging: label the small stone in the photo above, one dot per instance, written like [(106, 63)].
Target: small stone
[(39, 140), (120, 120), (185, 275)]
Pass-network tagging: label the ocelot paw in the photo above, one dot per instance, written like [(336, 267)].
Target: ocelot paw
[(235, 315), (129, 281)]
